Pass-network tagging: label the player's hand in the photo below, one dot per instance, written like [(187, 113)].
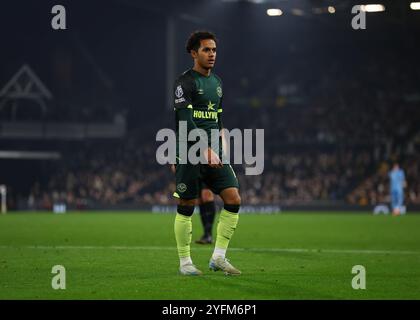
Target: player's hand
[(173, 168), (213, 159)]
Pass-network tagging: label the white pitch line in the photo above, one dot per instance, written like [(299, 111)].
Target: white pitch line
[(294, 250)]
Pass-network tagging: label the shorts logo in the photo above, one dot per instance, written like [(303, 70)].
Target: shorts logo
[(181, 187), (219, 92), (179, 92)]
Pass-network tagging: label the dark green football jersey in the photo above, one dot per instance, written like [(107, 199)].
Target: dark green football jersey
[(203, 94)]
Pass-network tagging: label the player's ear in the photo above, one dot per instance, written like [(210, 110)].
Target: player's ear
[(194, 54)]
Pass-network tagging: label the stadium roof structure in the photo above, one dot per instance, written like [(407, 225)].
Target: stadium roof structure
[(25, 84)]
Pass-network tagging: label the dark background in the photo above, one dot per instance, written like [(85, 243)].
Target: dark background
[(338, 105)]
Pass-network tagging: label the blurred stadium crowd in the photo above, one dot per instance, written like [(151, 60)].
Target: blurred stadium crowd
[(323, 142), (338, 106)]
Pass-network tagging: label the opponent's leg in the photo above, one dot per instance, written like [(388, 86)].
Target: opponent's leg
[(207, 213)]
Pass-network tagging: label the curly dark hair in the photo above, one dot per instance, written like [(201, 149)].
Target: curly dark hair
[(193, 42)]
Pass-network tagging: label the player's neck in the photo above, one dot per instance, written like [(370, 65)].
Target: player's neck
[(199, 69)]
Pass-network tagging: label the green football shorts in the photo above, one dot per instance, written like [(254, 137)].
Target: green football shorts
[(190, 179)]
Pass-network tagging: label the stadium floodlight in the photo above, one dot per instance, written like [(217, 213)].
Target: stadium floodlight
[(372, 8), (415, 5), (274, 12), (331, 9)]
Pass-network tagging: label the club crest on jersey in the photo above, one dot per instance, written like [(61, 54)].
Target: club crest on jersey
[(219, 92), (179, 92), (181, 187)]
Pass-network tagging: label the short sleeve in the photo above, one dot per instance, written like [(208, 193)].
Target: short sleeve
[(220, 94), (183, 90)]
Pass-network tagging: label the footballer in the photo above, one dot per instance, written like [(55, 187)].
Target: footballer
[(198, 102)]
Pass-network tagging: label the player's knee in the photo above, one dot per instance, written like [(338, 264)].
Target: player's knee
[(206, 196), (234, 199), (233, 202), (231, 196), (185, 210)]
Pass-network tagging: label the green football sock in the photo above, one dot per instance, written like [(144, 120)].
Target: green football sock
[(225, 228), (183, 234)]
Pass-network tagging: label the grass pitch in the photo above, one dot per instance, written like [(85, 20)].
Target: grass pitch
[(283, 256)]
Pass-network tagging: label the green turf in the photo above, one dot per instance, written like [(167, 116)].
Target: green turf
[(133, 256)]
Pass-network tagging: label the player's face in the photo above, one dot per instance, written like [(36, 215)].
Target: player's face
[(206, 55)]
